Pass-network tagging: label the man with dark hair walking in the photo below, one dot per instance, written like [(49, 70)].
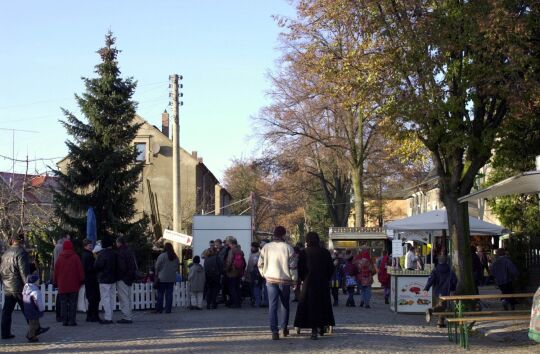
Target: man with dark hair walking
[(274, 265), (105, 267), (14, 270), (504, 272), (91, 284), (126, 269), (444, 281)]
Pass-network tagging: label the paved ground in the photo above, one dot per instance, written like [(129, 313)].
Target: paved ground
[(245, 331)]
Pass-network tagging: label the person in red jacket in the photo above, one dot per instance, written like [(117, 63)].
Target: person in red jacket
[(68, 277)]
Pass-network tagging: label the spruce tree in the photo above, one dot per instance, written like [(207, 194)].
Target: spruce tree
[(102, 171)]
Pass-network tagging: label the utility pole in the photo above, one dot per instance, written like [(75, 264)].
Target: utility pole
[(177, 216), (253, 206), (22, 193)]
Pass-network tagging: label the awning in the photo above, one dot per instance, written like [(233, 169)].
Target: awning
[(527, 182), (437, 220)]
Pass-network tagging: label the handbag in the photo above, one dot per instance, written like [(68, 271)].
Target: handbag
[(350, 280), (156, 282)]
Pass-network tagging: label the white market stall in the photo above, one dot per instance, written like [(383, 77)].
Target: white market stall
[(524, 183), (407, 285)]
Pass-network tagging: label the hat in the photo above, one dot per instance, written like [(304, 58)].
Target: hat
[(68, 245), (32, 278), (97, 247)]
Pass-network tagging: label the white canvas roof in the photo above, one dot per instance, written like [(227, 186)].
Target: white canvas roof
[(437, 220), (527, 182)]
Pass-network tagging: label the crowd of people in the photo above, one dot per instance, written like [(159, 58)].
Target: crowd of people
[(273, 269), (103, 270)]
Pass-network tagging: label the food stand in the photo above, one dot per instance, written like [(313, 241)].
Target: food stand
[(356, 238), (407, 286)]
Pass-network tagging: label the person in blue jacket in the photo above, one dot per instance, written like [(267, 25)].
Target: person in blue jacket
[(444, 281)]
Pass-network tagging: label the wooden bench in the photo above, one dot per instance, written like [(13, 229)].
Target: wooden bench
[(475, 313), (464, 320)]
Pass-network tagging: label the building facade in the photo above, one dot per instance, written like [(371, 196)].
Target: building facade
[(200, 191)]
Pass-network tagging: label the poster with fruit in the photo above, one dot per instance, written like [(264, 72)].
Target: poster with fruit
[(410, 295)]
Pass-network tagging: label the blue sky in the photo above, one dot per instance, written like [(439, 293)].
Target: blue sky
[(224, 50)]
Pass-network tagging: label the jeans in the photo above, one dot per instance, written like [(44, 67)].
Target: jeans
[(256, 292), (366, 294), (167, 290), (125, 298), (278, 294), (108, 299), (10, 300), (68, 307), (264, 300), (234, 291), (212, 289), (350, 298)]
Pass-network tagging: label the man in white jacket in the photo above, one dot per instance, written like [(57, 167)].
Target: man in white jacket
[(274, 265)]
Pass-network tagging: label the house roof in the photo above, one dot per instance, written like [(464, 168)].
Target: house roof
[(38, 187), (431, 181)]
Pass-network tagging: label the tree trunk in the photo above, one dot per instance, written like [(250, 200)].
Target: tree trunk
[(458, 225), (358, 189), (336, 200)]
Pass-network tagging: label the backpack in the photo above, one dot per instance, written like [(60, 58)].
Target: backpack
[(239, 263)]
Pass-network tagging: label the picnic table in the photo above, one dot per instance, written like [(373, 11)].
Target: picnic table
[(460, 325)]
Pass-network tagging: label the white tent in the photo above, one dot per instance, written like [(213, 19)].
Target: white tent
[(527, 182), (437, 220)]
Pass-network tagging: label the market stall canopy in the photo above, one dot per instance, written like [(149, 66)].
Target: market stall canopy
[(527, 182), (437, 220)]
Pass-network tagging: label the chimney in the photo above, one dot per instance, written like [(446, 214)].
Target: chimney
[(165, 123), (194, 154)]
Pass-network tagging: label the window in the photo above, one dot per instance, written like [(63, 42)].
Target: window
[(141, 152)]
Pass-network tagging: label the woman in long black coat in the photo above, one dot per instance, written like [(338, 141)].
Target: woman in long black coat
[(315, 270)]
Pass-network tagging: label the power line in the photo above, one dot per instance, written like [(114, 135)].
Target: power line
[(60, 99), (33, 160)]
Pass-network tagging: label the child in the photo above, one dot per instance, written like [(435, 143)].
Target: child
[(350, 279), (33, 307), (196, 283)]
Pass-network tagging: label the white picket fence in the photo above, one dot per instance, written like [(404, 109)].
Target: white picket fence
[(144, 297)]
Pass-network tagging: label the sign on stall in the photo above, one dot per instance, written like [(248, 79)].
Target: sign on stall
[(410, 296), (397, 249), (178, 237)]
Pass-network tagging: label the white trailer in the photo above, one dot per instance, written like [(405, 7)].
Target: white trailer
[(211, 227)]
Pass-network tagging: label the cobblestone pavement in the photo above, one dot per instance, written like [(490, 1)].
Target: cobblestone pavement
[(245, 330)]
